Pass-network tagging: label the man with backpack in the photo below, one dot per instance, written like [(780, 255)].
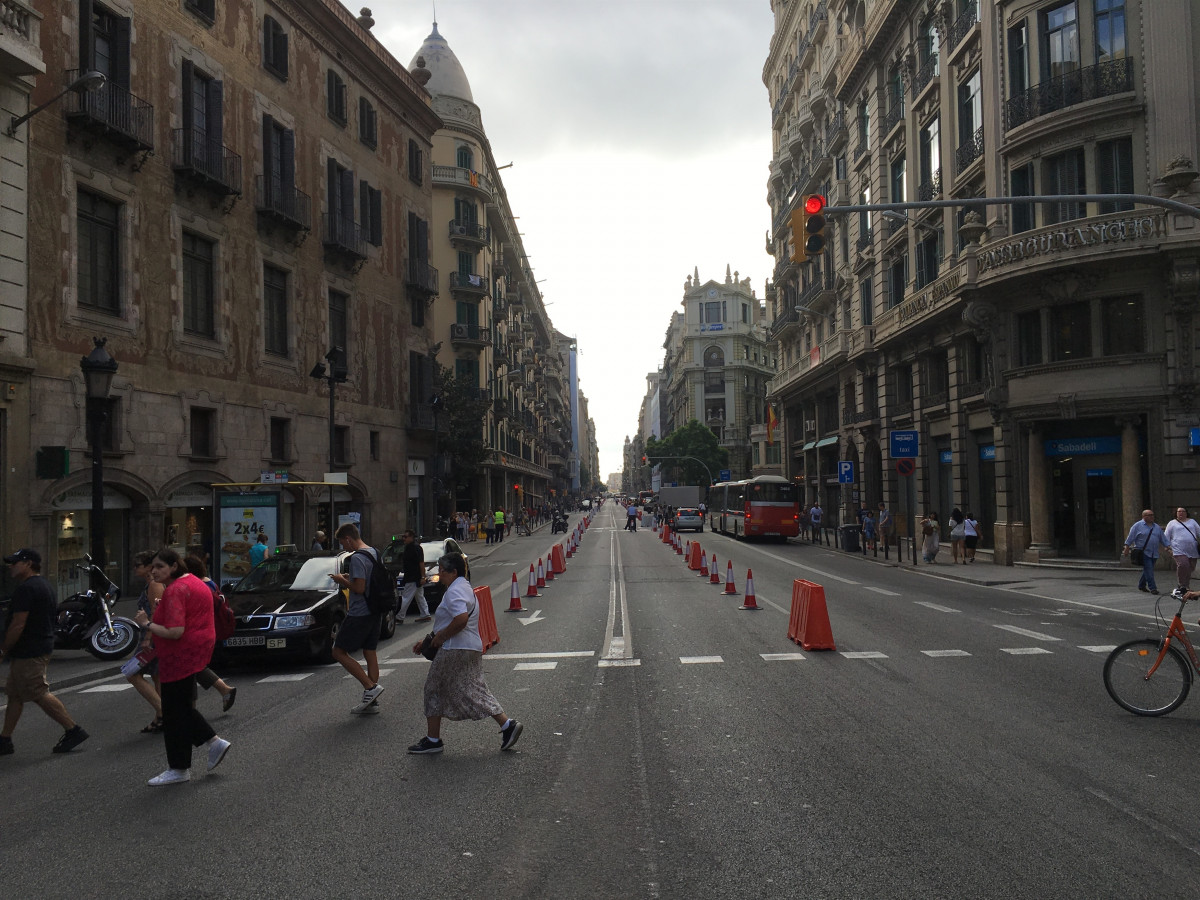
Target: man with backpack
[(360, 628)]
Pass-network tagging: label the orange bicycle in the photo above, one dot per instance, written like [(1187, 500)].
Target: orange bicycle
[(1151, 677)]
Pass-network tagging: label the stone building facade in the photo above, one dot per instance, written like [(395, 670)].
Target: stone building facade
[(1044, 353), (250, 189)]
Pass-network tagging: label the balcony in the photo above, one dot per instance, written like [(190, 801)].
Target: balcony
[(931, 189), (470, 235), (281, 203), (207, 162), (420, 278), (469, 337), (801, 126), (791, 317), (453, 176), (20, 39), (114, 114), (925, 74), (835, 136), (962, 25), (895, 113), (1104, 79), (343, 237), (421, 417), (515, 299), (969, 152), (468, 286), (854, 417)]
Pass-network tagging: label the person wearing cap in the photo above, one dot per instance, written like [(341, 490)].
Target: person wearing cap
[(27, 644)]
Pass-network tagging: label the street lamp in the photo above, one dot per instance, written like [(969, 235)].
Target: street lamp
[(88, 81), (98, 371), (335, 373)]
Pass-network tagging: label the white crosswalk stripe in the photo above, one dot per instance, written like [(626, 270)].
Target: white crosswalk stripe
[(864, 654), (939, 654), (288, 676), (692, 660), (779, 657), (108, 688), (1099, 648), (1025, 632), (535, 666), (1024, 651)]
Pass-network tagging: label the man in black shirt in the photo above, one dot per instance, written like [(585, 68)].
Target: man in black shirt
[(27, 644), (412, 565)]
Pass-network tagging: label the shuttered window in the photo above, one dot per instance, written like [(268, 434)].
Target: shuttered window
[(275, 48)]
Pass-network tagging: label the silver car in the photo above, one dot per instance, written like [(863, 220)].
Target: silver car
[(688, 520)]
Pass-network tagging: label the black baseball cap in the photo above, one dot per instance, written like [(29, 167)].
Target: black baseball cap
[(24, 555)]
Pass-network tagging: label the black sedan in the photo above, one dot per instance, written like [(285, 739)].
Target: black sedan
[(288, 607)]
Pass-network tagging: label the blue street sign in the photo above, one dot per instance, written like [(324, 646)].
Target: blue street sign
[(724, 475), (904, 444), (845, 472)]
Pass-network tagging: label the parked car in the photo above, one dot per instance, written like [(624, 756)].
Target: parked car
[(287, 606), (688, 520), (431, 552)]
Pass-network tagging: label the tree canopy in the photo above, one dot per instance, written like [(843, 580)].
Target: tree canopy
[(695, 440)]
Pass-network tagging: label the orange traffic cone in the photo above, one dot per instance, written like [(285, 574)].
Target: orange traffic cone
[(730, 587), (549, 568), (714, 576), (703, 573), (514, 597), (749, 603), (532, 592), (541, 574), (678, 545)]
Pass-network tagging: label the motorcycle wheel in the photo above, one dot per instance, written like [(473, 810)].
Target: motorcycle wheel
[(115, 645)]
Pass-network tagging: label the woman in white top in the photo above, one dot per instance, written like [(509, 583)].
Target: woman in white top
[(970, 535), (454, 687), (1183, 534)]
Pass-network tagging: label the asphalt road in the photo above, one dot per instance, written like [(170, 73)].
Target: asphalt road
[(957, 743)]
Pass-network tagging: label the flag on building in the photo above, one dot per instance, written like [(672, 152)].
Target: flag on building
[(771, 423)]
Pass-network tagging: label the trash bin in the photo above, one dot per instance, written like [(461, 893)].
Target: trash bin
[(850, 536)]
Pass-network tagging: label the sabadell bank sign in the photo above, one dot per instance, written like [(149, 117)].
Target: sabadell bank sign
[(1112, 231)]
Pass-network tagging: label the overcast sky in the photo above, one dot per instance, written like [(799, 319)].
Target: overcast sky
[(640, 137)]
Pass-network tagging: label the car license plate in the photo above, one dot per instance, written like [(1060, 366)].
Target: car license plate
[(254, 641), (276, 643)]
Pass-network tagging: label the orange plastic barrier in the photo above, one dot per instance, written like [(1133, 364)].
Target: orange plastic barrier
[(487, 618), (809, 625), (514, 597), (557, 563), (693, 555)]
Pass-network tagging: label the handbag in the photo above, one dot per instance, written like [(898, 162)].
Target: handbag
[(1137, 555), (428, 650)]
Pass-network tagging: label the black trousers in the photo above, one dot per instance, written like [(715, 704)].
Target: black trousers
[(183, 726)]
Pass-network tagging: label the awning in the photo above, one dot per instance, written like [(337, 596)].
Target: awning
[(809, 446), (825, 442)]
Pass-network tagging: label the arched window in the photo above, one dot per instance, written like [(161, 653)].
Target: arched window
[(714, 356), (466, 158)]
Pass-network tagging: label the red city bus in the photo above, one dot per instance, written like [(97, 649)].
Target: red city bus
[(766, 506)]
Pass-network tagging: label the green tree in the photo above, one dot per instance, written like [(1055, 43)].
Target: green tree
[(695, 440), (464, 411)]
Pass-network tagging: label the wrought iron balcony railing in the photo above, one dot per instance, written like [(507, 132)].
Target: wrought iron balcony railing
[(282, 202), (113, 112), (343, 235), (969, 152), (1090, 83), (205, 159)]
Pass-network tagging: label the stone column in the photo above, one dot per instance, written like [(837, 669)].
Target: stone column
[(1039, 513), (1131, 478)]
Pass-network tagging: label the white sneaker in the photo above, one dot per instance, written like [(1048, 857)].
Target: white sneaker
[(370, 697), (171, 776), (217, 748)]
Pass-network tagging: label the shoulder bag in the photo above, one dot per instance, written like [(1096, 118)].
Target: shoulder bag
[(1137, 554)]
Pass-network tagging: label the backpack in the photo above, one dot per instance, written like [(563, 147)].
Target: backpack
[(224, 622), (380, 592)]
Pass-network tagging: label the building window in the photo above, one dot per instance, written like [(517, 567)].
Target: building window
[(275, 48), (1018, 58), (970, 109), (204, 9), (203, 119), (335, 97), (745, 314), (1110, 30), (275, 311), (1060, 41), (1029, 338), (929, 258), (901, 378), (897, 280), (199, 256), (466, 263), (927, 47), (203, 431), (417, 312), (281, 440), (99, 274), (1071, 332), (368, 125), (864, 126), (1021, 185), (1123, 324), (864, 220), (712, 311), (339, 195), (1064, 174), (416, 163), (866, 300), (339, 314), (279, 168), (1114, 172), (104, 42), (899, 182), (341, 444), (931, 159), (370, 204), (466, 312), (373, 439), (464, 158), (466, 371)]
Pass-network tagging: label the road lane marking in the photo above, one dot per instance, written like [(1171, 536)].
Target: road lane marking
[(879, 590), (1099, 648), (529, 620), (1025, 632), (291, 676), (693, 660), (107, 688), (780, 657), (534, 666), (939, 654), (617, 645), (864, 654), (936, 606), (618, 663), (796, 565), (1023, 651), (1173, 836)]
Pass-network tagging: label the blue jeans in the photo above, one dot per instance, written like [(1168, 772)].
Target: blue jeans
[(1147, 579)]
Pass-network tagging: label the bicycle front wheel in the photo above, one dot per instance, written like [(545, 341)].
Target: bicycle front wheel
[(1127, 681)]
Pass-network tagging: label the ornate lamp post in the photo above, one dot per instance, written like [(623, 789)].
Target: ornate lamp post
[(98, 371)]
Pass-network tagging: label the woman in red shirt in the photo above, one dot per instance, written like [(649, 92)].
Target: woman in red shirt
[(183, 636)]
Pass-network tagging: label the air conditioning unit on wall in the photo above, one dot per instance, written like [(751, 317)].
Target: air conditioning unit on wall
[(460, 331)]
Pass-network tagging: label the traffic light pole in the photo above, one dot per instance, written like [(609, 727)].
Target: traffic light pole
[(1146, 199), (693, 459)]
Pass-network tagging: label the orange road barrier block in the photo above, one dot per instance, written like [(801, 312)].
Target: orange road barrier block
[(730, 587), (809, 626), (487, 618), (558, 564), (751, 602), (703, 573), (541, 574), (714, 574), (532, 591), (693, 555), (514, 596)]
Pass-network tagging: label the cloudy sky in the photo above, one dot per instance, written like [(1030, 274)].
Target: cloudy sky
[(639, 132)]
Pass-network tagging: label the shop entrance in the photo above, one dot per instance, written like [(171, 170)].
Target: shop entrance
[(1083, 495)]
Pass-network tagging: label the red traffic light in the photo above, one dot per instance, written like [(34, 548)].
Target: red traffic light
[(517, 488), (813, 204)]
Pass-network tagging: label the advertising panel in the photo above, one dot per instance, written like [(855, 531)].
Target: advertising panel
[(241, 518)]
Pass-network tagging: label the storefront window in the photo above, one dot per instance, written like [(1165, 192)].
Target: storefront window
[(1124, 328), (73, 527)]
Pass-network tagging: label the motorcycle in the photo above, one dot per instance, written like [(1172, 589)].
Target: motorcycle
[(558, 524), (85, 621)]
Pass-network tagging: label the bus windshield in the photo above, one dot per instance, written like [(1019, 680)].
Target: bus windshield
[(771, 493)]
